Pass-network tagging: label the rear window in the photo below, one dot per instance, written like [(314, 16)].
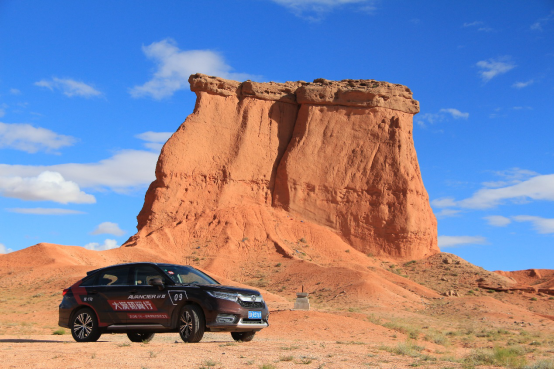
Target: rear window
[(114, 277), (89, 281)]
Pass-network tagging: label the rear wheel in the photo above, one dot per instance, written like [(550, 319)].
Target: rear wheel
[(140, 337), (84, 326), (243, 336), (191, 323)]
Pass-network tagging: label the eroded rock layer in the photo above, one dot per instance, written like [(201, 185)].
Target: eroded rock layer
[(338, 154)]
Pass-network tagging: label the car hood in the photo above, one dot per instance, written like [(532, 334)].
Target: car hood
[(222, 288)]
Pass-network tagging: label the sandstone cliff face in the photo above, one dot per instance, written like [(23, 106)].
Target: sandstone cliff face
[(336, 154)]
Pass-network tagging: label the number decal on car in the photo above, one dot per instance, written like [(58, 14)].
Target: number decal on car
[(177, 297)]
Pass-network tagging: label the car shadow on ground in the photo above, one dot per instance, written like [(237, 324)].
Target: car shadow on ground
[(27, 340)]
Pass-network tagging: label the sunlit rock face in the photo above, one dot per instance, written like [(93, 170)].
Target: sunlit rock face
[(337, 154)]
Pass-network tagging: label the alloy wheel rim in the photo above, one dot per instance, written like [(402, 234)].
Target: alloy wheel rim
[(83, 325), (186, 324)]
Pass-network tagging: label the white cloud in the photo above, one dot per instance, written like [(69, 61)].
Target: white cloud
[(455, 113), (315, 9), (443, 202), (107, 245), (25, 137), (44, 211), (523, 84), (154, 140), (444, 213), (428, 118), (126, 170), (537, 26), (540, 187), (432, 118), (480, 26), (493, 67), (4, 249), (541, 225), (69, 87), (108, 228), (497, 220), (511, 176), (174, 66), (473, 24), (454, 241), (47, 186), (15, 91)]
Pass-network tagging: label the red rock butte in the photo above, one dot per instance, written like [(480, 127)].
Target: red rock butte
[(272, 162)]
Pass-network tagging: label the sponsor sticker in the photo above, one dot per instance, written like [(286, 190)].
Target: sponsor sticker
[(148, 316), (140, 305), (146, 297)]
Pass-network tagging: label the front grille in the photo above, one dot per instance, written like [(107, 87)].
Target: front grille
[(253, 321), (250, 304)]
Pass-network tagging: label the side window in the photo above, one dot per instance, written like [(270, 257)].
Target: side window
[(144, 273), (89, 281), (114, 277)]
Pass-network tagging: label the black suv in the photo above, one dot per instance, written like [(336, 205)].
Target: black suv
[(141, 299)]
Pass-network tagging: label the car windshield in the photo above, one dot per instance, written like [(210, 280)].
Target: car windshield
[(187, 275)]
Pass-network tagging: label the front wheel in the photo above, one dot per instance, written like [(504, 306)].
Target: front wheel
[(191, 324), (84, 326), (243, 336), (140, 337)]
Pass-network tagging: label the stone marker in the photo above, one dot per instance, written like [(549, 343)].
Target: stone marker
[(302, 302)]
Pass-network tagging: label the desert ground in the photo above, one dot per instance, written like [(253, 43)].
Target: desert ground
[(471, 327)]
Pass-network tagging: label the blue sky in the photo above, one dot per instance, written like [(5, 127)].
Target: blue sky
[(90, 90)]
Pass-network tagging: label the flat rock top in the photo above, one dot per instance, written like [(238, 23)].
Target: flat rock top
[(366, 93)]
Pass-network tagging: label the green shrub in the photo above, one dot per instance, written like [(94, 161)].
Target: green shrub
[(510, 357), (411, 331), (436, 337), (268, 366), (59, 332), (541, 364), (407, 348)]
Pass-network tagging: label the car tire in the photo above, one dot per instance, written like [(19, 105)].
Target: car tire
[(84, 326), (243, 336), (140, 337), (191, 323)]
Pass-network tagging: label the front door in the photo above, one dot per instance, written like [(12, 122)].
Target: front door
[(149, 305)]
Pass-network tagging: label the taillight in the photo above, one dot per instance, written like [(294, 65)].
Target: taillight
[(65, 291)]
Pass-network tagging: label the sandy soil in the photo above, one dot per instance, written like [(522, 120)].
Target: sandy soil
[(216, 350), (365, 312)]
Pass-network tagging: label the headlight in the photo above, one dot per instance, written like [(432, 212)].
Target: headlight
[(223, 295)]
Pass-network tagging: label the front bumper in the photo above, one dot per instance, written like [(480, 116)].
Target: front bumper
[(218, 318), (241, 326)]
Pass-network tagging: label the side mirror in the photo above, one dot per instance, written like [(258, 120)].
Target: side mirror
[(157, 282)]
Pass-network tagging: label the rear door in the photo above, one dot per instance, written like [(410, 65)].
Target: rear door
[(148, 305), (110, 295)]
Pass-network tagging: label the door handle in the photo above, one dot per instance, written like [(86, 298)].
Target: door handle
[(93, 292), (134, 291)]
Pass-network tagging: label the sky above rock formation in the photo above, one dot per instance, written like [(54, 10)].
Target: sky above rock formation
[(90, 91)]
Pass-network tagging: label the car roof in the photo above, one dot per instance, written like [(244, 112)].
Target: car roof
[(90, 272)]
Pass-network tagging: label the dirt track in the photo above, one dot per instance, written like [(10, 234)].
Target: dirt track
[(215, 350)]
